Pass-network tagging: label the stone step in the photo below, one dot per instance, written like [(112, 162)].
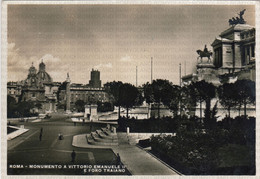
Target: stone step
[(105, 136), (97, 138), (108, 132), (92, 141)]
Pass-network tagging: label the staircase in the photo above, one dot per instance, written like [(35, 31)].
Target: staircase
[(103, 137)]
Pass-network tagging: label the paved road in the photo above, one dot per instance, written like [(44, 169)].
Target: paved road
[(29, 152)]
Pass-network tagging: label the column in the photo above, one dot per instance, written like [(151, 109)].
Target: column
[(50, 106), (68, 94)]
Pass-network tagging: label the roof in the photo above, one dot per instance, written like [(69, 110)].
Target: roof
[(236, 28)]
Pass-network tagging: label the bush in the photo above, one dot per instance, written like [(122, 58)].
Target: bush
[(164, 124), (144, 143), (104, 107)]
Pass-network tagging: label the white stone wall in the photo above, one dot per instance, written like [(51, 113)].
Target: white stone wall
[(227, 55)]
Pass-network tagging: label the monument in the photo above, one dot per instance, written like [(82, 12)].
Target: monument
[(68, 94), (91, 112), (233, 55)]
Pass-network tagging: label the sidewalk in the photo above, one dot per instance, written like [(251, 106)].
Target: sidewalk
[(80, 120), (16, 133), (136, 160)]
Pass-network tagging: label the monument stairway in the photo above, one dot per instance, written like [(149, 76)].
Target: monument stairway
[(105, 136)]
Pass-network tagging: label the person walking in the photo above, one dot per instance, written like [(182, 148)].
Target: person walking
[(73, 156), (60, 136), (40, 137), (118, 159)]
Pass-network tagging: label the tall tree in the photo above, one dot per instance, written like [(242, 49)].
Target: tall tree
[(245, 93), (227, 94), (158, 92), (173, 98), (113, 89), (189, 98), (129, 96), (204, 91)]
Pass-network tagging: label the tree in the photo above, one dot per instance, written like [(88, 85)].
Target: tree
[(129, 96), (245, 93), (38, 105), (11, 106), (227, 95), (113, 89), (189, 98), (24, 108), (104, 106), (173, 98), (80, 105), (158, 92), (204, 91)]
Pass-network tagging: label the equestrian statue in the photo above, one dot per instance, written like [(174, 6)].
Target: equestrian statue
[(204, 53)]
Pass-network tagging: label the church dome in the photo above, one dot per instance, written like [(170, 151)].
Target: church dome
[(42, 75), (32, 70), (42, 66)]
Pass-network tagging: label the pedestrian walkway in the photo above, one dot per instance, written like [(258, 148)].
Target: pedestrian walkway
[(80, 120), (16, 133), (136, 160)]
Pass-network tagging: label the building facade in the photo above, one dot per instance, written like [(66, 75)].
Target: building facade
[(233, 57), (89, 93), (38, 87)]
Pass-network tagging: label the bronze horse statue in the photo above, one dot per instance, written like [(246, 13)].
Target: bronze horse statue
[(204, 54)]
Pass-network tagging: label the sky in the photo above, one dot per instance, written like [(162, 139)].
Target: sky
[(113, 39)]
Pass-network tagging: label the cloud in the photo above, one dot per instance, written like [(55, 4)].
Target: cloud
[(55, 67), (126, 58), (101, 65), (18, 65)]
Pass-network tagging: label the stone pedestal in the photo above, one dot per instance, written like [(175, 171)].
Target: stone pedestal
[(207, 72), (91, 112), (68, 111), (114, 130), (87, 111)]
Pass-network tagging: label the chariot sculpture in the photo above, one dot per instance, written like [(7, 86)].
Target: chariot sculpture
[(238, 20)]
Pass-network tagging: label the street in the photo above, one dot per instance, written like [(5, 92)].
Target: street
[(27, 153)]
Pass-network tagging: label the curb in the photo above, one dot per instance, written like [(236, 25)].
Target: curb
[(17, 133)]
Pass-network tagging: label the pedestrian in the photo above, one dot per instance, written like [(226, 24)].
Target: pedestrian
[(83, 122), (40, 137), (60, 136), (41, 130), (73, 156), (74, 123), (118, 159)]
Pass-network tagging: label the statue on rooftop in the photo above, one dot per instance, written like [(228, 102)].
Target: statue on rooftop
[(238, 20)]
